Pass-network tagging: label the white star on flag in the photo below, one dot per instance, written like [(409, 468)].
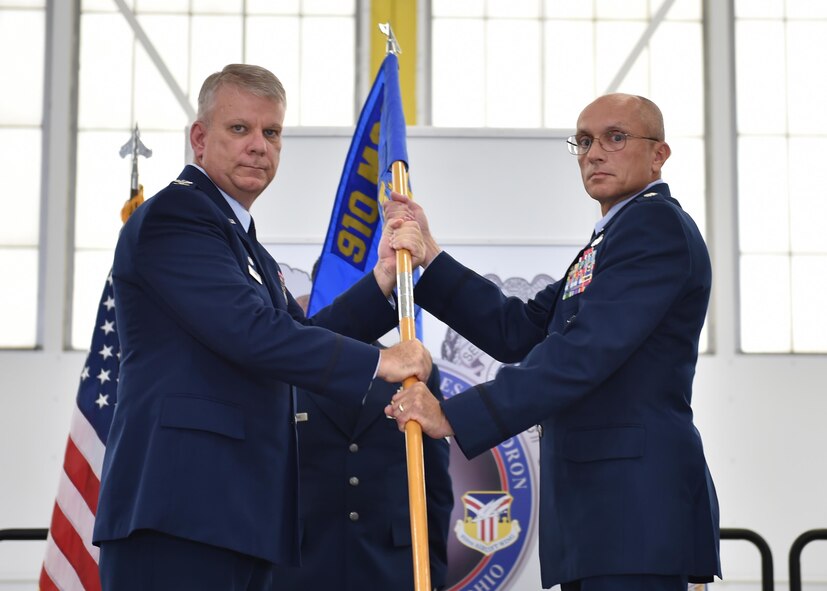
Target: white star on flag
[(106, 352), (103, 400), (109, 303), (103, 376), (108, 326)]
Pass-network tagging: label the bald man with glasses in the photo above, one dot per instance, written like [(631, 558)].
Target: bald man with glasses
[(606, 361)]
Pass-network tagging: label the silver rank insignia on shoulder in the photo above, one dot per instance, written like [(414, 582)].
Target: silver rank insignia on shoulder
[(651, 195), (597, 240), (251, 261), (182, 182), (301, 417), (254, 274)]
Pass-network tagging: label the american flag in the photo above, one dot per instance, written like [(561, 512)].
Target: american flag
[(71, 561)]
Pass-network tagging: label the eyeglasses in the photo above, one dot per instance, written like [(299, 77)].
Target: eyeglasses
[(610, 141)]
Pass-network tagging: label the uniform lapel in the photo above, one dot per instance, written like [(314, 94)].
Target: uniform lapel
[(660, 189), (267, 267), (344, 418), (372, 409), (257, 258)]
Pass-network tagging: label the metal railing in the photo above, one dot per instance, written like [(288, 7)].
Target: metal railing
[(23, 534), (795, 554), (767, 582)]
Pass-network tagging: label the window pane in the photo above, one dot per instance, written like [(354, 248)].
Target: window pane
[(458, 101), (759, 48), (105, 79), (273, 42), (329, 7), (91, 270), (22, 33), (685, 174), (557, 9), (467, 8), (514, 8), (20, 152), (222, 35), (24, 3), (809, 283), (22, 51), (806, 82), (763, 208), (326, 71), (569, 75), (806, 9), (679, 91), (612, 9), (18, 298), (614, 43), (685, 10), (272, 6), (104, 5), (155, 103), (216, 6), (514, 74), (777, 61), (808, 207), (759, 8), (765, 304), (142, 6)]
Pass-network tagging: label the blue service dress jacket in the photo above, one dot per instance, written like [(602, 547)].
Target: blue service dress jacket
[(203, 441), (356, 529), (607, 357)]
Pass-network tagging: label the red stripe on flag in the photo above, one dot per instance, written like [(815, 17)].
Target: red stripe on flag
[(46, 584), (69, 542), (80, 473)]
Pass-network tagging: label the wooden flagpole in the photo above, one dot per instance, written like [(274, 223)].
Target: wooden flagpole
[(413, 430)]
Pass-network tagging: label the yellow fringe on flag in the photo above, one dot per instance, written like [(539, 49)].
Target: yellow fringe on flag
[(132, 204)]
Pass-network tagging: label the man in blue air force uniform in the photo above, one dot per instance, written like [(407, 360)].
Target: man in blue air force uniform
[(199, 487), (355, 521), (607, 358), (355, 524)]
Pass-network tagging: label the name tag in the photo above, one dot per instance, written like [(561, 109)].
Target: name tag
[(254, 273)]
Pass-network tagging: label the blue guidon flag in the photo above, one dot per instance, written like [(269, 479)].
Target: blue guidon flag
[(355, 227), (392, 135)]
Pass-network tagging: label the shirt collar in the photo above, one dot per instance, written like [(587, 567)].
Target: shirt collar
[(242, 214), (598, 227)]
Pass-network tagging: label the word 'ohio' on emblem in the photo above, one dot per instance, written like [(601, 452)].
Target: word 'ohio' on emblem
[(487, 525)]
